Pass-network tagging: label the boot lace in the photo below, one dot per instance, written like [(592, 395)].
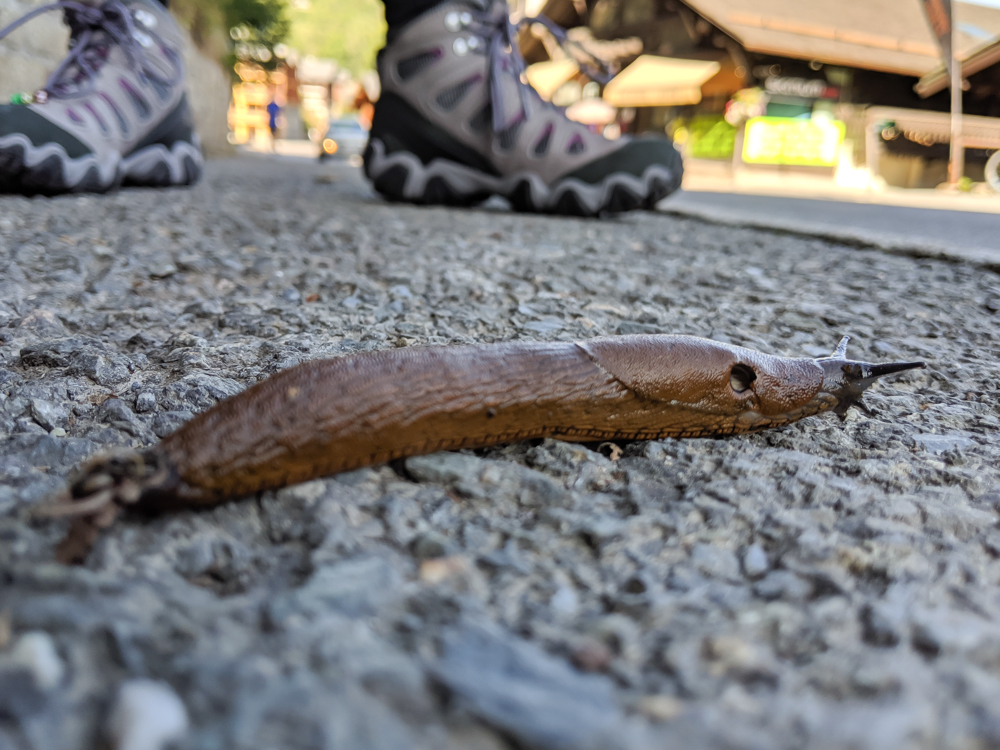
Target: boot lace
[(95, 28), (505, 59)]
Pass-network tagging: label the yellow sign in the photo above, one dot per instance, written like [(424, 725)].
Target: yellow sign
[(711, 137), (783, 140)]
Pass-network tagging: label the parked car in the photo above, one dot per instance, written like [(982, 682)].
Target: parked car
[(344, 138), (993, 171)]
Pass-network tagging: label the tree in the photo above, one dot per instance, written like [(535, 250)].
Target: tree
[(349, 31), (235, 29), (256, 26)]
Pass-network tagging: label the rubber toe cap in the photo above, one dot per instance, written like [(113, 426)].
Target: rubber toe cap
[(634, 157), (21, 119)]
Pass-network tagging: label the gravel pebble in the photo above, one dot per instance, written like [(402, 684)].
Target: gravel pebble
[(147, 715), (36, 651), (48, 414), (145, 402), (755, 562), (521, 690)]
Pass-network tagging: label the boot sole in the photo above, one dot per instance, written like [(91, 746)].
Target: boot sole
[(48, 170), (402, 176), (159, 166)]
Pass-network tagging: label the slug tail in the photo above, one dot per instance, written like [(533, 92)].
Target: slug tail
[(96, 495)]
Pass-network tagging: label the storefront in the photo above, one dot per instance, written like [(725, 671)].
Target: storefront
[(793, 80)]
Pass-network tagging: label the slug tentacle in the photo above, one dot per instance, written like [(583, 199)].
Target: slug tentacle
[(847, 380), (328, 416), (841, 351)]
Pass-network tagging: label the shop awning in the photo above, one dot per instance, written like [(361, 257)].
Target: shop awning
[(547, 77), (653, 81), (978, 59), (888, 35)]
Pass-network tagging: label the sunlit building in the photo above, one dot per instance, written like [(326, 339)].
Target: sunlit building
[(853, 89)]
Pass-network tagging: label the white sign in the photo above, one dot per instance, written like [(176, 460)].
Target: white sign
[(808, 89)]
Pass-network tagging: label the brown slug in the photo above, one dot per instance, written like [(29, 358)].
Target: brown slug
[(328, 416)]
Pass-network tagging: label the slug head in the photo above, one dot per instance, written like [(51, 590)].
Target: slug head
[(846, 380), (729, 389), (710, 388), (786, 390)]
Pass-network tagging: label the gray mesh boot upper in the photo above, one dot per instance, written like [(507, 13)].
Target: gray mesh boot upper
[(455, 124), (114, 111)]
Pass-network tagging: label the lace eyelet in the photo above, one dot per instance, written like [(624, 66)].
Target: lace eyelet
[(460, 47), (144, 17), (455, 21)]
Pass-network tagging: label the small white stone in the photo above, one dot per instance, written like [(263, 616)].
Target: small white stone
[(565, 601), (36, 651), (58, 432), (145, 402), (755, 562), (147, 715)]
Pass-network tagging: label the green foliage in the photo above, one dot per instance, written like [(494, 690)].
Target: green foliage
[(267, 20), (255, 27), (235, 29), (349, 31)]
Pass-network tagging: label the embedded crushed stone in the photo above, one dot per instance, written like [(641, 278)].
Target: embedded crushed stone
[(823, 585)]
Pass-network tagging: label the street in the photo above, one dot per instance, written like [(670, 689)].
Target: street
[(828, 584), (971, 234)]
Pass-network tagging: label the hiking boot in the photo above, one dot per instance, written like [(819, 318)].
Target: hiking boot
[(455, 124), (113, 112)]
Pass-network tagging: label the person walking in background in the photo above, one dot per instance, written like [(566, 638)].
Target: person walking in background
[(455, 122), (273, 112)]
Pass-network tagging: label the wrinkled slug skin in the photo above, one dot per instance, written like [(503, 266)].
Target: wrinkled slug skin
[(695, 372), (329, 416)]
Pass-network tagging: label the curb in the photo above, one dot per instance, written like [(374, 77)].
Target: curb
[(882, 242)]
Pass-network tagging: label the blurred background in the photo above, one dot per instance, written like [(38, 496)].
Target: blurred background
[(853, 95)]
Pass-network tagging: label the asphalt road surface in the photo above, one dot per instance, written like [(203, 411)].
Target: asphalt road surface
[(827, 585)]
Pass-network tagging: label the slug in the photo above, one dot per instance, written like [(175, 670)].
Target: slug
[(329, 416)]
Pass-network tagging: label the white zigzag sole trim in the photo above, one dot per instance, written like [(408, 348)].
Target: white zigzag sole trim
[(73, 170), (468, 181), (139, 167), (112, 168)]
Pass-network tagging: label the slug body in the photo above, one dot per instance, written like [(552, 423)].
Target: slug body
[(335, 415), (328, 416)]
